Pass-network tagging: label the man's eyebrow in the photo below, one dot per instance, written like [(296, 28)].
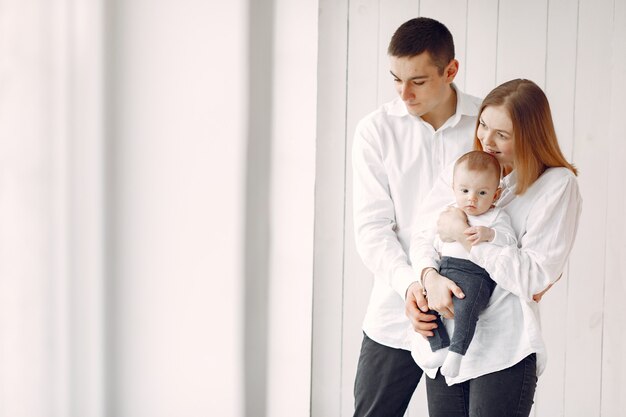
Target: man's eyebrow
[(417, 77)]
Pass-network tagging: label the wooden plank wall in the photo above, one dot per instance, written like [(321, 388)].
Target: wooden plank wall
[(576, 51)]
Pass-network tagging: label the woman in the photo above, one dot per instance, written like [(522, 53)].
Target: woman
[(540, 193)]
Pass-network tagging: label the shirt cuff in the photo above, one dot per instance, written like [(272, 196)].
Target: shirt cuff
[(421, 266), (481, 253), (403, 277), (497, 238)]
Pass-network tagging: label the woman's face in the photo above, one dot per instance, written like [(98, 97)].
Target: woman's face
[(495, 132)]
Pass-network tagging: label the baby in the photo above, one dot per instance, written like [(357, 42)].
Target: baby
[(476, 180)]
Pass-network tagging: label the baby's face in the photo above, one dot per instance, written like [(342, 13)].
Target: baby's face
[(475, 191)]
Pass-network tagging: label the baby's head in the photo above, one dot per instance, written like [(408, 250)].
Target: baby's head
[(476, 182)]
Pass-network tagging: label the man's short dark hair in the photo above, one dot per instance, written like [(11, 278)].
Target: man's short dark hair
[(423, 34)]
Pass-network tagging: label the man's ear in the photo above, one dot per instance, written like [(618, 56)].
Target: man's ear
[(451, 70)]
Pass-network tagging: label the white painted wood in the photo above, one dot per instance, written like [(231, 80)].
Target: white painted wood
[(561, 68), (363, 58), (482, 45), (292, 208), (34, 325), (576, 52), (522, 40), (326, 394), (86, 177), (57, 52), (178, 137), (560, 89), (584, 315), (612, 400)]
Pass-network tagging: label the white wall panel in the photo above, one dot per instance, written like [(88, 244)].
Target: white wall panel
[(612, 400), (176, 220), (86, 177), (34, 315), (560, 89), (292, 206), (584, 314), (326, 393), (576, 52), (363, 59), (482, 44), (522, 40)]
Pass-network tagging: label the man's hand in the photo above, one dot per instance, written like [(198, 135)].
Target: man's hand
[(416, 308), (451, 224), (477, 234)]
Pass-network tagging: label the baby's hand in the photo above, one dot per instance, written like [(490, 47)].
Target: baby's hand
[(477, 234)]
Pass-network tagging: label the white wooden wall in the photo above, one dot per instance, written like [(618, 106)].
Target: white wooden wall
[(576, 51), (154, 165)]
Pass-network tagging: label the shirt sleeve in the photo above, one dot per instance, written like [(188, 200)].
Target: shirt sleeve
[(547, 239), (374, 215), (504, 235), (423, 251)]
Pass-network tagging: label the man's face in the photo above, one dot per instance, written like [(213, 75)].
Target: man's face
[(419, 84)]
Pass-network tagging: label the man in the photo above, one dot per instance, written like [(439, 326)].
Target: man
[(398, 152)]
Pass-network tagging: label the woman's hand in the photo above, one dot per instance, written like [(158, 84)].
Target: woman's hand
[(440, 290), (451, 224), (539, 296)]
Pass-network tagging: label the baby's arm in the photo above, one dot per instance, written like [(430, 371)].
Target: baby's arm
[(500, 233), (477, 234)]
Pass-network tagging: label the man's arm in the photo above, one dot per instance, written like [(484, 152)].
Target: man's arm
[(374, 213)]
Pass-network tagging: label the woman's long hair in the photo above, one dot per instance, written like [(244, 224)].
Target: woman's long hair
[(536, 145)]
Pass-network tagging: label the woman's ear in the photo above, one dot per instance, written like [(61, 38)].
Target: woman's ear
[(496, 196)]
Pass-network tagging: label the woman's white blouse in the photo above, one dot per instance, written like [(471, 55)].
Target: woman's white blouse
[(545, 220)]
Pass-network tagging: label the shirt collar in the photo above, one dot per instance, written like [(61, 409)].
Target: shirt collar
[(464, 107), (508, 185)]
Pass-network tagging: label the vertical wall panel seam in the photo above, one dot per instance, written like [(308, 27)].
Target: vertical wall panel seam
[(111, 312), (571, 157), (606, 224), (345, 202), (545, 63), (575, 79), (378, 55), (495, 72), (466, 36), (70, 34)]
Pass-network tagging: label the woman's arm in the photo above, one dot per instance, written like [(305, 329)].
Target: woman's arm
[(530, 268), (439, 292)]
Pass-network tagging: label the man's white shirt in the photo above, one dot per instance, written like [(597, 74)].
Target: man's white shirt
[(396, 159)]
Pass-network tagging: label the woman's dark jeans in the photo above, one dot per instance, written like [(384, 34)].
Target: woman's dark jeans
[(506, 393)]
